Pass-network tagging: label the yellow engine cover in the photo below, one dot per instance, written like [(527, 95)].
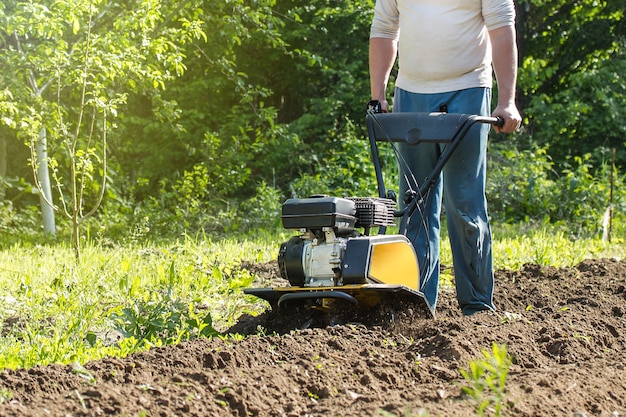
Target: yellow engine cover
[(385, 259), (394, 263)]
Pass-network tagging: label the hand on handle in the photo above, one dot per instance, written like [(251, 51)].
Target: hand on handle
[(511, 119)]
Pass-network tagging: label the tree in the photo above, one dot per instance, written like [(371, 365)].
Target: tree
[(572, 76), (218, 119), (74, 62)]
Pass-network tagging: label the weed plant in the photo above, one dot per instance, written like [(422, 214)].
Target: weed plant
[(486, 380)]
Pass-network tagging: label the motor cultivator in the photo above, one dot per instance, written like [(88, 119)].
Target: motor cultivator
[(334, 260)]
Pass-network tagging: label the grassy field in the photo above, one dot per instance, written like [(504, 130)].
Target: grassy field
[(120, 299)]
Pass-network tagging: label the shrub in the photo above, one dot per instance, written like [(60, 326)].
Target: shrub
[(526, 186)]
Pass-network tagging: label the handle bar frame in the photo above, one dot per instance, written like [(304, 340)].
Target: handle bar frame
[(413, 129)]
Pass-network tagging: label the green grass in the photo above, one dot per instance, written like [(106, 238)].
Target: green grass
[(120, 299), (513, 248)]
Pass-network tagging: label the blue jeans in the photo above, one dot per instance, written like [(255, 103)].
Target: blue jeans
[(462, 186)]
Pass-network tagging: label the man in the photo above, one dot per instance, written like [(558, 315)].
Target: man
[(446, 50)]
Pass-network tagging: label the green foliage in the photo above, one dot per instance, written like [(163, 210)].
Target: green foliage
[(216, 116), (318, 80), (345, 167), (118, 301), (486, 380), (160, 318), (571, 76), (519, 183), (263, 210), (214, 101), (188, 208), (8, 108), (525, 186), (75, 63), (326, 50), (19, 224)]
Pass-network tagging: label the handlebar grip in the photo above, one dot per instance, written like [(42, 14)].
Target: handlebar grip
[(499, 122), (374, 106)]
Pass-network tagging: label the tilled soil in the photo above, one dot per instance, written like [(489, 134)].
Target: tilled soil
[(564, 329)]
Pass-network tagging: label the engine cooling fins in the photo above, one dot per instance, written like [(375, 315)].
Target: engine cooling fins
[(373, 212)]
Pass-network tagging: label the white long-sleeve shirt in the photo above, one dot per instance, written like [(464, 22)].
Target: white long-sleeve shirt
[(443, 45)]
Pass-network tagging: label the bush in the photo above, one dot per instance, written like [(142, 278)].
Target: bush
[(526, 186), (519, 184), (345, 169)]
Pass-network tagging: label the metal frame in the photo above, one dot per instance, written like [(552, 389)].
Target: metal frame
[(413, 129)]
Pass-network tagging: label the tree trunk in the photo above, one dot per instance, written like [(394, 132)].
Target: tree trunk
[(47, 212), (3, 165)]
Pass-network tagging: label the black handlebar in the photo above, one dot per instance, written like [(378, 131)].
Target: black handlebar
[(415, 128), (497, 121), (374, 106)]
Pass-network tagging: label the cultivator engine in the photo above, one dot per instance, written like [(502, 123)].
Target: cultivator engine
[(317, 257)]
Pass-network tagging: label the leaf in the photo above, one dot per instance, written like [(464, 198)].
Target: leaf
[(75, 26), (91, 338), (81, 371)]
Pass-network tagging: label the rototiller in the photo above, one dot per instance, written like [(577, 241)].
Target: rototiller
[(334, 259)]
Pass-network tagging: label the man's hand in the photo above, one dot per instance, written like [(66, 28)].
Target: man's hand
[(510, 115), (378, 106)]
